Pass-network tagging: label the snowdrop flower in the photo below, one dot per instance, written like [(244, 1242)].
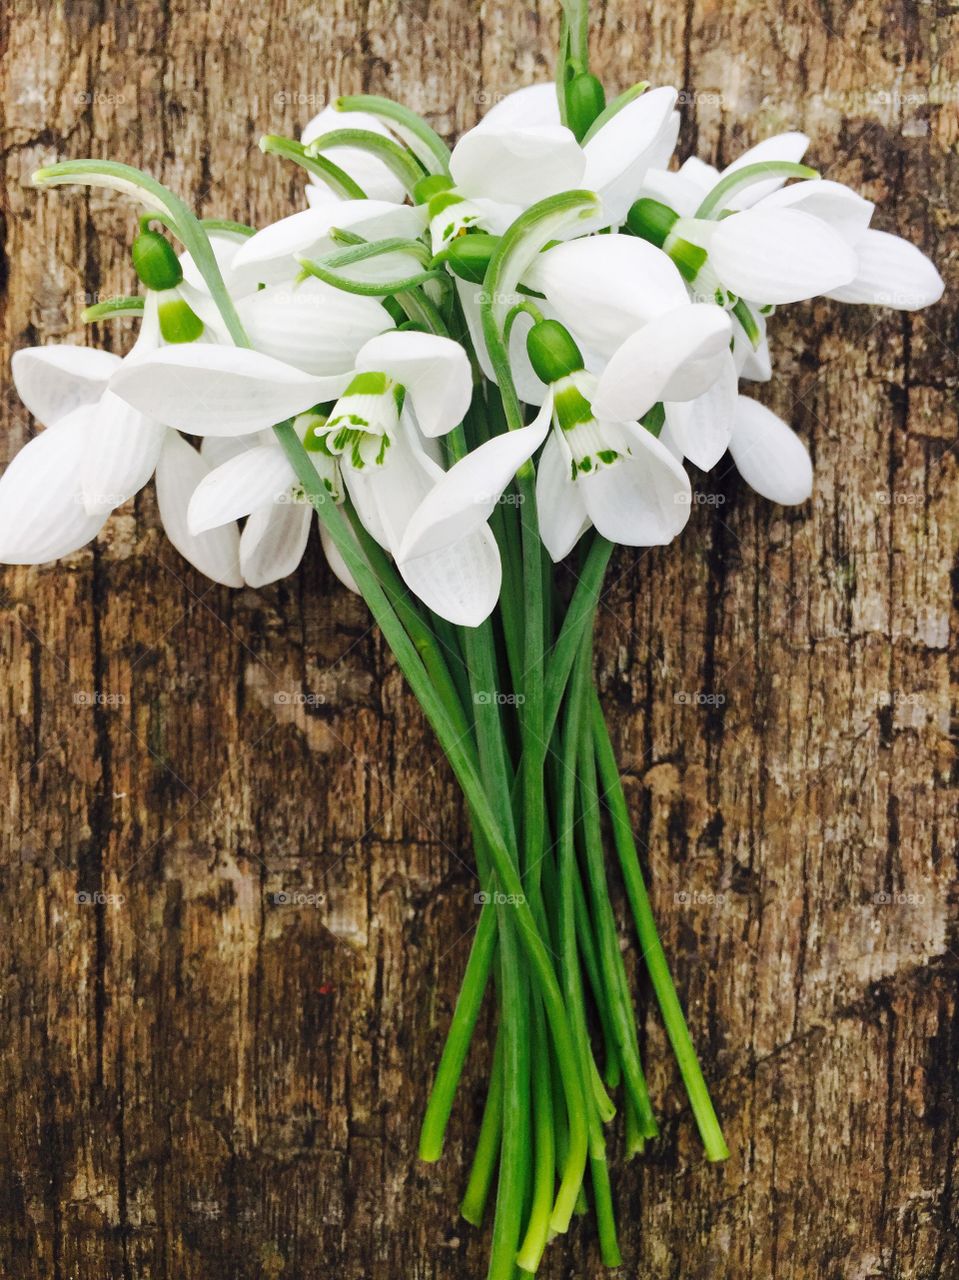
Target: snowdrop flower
[(612, 292), (249, 476), (769, 455), (508, 163), (600, 466), (95, 453), (404, 391)]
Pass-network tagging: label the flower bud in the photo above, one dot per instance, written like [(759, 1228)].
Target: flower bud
[(552, 351), (468, 256), (155, 261), (585, 100), (431, 185), (651, 220), (178, 321)]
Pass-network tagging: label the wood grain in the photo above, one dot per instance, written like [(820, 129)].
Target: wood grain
[(198, 1080)]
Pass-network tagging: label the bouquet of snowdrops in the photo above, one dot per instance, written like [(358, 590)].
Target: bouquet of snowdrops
[(470, 365)]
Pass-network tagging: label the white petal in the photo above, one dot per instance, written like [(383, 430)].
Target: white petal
[(840, 206), (215, 553), (673, 189), (273, 541), (307, 233), (226, 246), (53, 381), (220, 391), (336, 561), (675, 357), (529, 388), (769, 455), (619, 154), (642, 500), (372, 175), (779, 255), (783, 146), (255, 478), (534, 105), (312, 325), (462, 581), (604, 287), (215, 450), (466, 496), (42, 516), (752, 362), (122, 455), (562, 514), (702, 427), (891, 272), (703, 175), (435, 372), (517, 165), (661, 151)]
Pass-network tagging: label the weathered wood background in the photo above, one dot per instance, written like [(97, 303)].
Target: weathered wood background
[(198, 1081)]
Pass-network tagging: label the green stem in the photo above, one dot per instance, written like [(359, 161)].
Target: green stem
[(653, 953), (487, 1145)]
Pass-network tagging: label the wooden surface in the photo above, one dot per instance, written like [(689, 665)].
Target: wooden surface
[(198, 1080)]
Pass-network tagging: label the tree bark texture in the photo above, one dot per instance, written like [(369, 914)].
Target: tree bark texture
[(201, 1079)]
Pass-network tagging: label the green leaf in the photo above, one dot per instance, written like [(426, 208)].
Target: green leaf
[(517, 250), (431, 151), (109, 310), (401, 162), (749, 174), (339, 182), (613, 108), (175, 214)]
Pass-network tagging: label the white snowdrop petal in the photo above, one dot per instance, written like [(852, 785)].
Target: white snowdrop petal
[(273, 541), (779, 255), (769, 455), (702, 427), (215, 553), (642, 500), (673, 189), (674, 357), (891, 272), (307, 233), (435, 372), (254, 478), (618, 154), (212, 390), (604, 287), (42, 516), (460, 582), (517, 165), (336, 561), (842, 208), (535, 105), (122, 455), (312, 325), (782, 146), (466, 496), (562, 514), (54, 380)]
